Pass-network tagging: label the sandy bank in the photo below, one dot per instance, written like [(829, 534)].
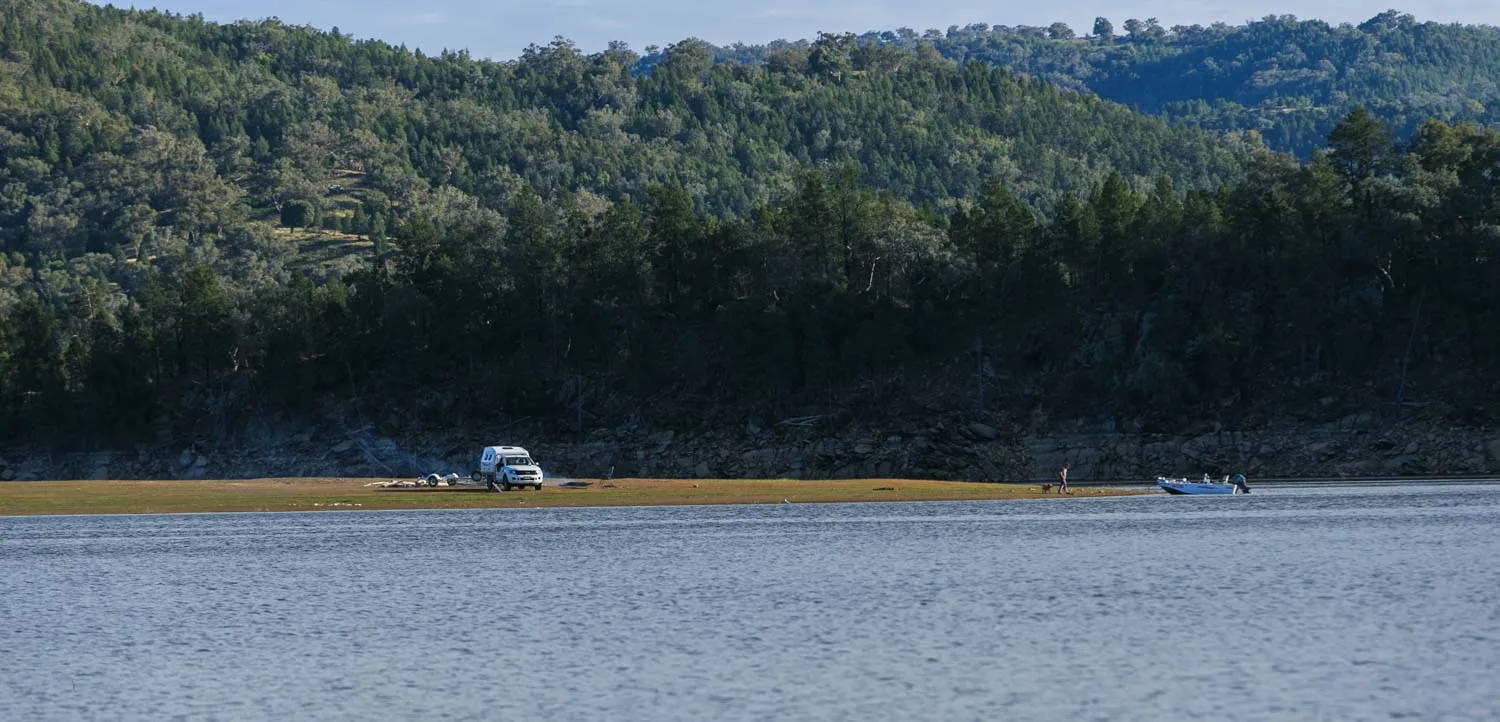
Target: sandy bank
[(338, 494)]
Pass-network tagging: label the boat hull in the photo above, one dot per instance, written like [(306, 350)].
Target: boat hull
[(1197, 489)]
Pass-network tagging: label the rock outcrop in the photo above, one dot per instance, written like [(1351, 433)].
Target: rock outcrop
[(938, 447)]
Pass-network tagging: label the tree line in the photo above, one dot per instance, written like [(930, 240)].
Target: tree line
[(1369, 272), (1288, 80)]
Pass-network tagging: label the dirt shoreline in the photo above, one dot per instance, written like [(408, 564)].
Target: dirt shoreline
[(937, 446), (344, 494)]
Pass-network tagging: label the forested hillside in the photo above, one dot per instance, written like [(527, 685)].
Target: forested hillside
[(261, 114), (1290, 80), (203, 224)]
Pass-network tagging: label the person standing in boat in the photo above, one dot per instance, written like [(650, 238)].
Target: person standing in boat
[(1062, 479)]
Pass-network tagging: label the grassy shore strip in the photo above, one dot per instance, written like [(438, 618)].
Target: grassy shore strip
[(333, 494)]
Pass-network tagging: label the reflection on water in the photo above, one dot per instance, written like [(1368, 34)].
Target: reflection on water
[(1287, 604)]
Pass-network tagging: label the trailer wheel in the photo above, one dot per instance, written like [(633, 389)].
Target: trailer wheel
[(476, 477), (432, 480)]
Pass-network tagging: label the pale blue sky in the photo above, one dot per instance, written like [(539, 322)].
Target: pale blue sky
[(502, 28)]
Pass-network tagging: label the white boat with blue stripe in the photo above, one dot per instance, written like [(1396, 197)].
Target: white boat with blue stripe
[(1228, 485)]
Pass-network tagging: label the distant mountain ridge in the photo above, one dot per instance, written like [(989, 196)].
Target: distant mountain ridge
[(1290, 80)]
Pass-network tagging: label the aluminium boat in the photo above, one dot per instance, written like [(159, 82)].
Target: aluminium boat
[(1228, 485)]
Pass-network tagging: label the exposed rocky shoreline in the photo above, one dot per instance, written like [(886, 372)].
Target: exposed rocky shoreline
[(949, 447)]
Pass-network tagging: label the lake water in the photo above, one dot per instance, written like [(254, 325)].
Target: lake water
[(1349, 603)]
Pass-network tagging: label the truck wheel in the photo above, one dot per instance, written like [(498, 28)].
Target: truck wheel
[(491, 486), (538, 487), (504, 486)]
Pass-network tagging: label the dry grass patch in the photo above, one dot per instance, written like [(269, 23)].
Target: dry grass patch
[(330, 494)]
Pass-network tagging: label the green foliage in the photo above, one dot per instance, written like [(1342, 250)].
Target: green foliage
[(122, 126), (297, 214), (1155, 304), (1287, 80), (561, 232), (1104, 29)]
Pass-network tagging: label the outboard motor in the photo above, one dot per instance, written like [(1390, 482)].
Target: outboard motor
[(1239, 481)]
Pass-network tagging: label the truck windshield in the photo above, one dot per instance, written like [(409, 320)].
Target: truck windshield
[(517, 461)]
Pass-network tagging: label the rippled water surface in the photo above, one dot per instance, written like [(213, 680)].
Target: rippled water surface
[(1347, 603)]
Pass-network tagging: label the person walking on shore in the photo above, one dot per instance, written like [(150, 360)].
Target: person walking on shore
[(1062, 477)]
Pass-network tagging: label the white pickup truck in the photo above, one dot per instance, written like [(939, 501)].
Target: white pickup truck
[(503, 468)]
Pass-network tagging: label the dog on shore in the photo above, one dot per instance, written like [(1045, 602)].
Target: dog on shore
[(1046, 488)]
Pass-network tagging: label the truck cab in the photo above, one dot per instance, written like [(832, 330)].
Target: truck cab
[(503, 468)]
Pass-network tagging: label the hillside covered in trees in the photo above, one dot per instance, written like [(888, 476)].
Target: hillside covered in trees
[(277, 108), (201, 224), (1289, 80)]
